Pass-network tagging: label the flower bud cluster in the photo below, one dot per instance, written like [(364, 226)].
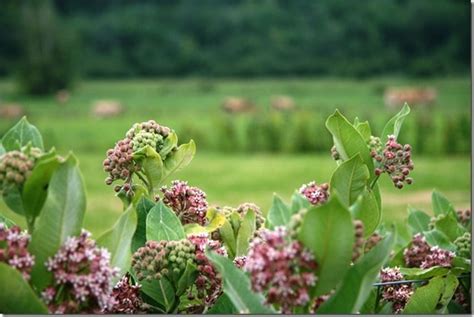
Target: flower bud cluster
[(318, 301), (359, 240), (295, 223), (120, 165), (463, 245), (394, 160), (259, 218), (461, 298), (126, 298), (82, 277), (417, 252), (397, 294), (16, 167), (335, 154), (14, 249), (438, 257), (375, 144), (281, 268), (189, 203), (464, 216), (144, 138), (240, 261), (149, 133), (372, 241), (315, 194), (163, 259)]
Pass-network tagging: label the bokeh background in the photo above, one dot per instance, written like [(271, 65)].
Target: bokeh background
[(252, 82)]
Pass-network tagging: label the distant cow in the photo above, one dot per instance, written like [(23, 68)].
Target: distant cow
[(62, 96), (395, 97), (237, 105), (107, 108), (11, 111), (283, 103)]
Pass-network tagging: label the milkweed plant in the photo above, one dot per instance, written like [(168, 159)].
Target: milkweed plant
[(173, 251)]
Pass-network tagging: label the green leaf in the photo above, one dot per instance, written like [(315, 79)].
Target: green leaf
[(449, 226), (187, 279), (118, 240), (450, 284), (328, 232), (350, 179), (394, 125), (417, 273), (20, 135), (170, 143), (441, 204), (215, 220), (161, 291), (367, 210), (163, 224), (14, 201), (280, 213), (7, 222), (356, 286), (418, 221), (460, 262), (298, 202), (16, 296), (348, 140), (2, 149), (143, 207), (227, 234), (246, 231), (237, 287), (61, 217), (425, 298), (223, 305), (178, 159), (35, 188), (437, 238), (152, 166), (364, 130)]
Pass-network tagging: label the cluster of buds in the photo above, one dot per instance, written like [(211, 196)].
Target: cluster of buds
[(359, 240), (464, 216), (318, 301), (397, 294), (315, 194), (208, 282), (16, 167), (335, 154), (82, 277), (372, 241), (150, 133), (163, 259), (240, 261), (463, 245), (126, 298), (417, 252), (375, 144), (461, 298), (281, 268), (242, 209), (14, 249), (438, 257), (295, 223), (144, 138), (394, 160), (189, 203)]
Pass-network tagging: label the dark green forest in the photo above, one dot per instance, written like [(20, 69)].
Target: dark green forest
[(238, 38)]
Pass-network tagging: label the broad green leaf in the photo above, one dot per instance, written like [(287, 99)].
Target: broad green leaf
[(449, 226), (224, 306), (35, 188), (369, 305), (118, 240), (394, 125), (14, 201), (328, 232), (171, 142), (7, 222), (280, 213), (178, 159), (152, 166), (367, 210), (163, 224), (425, 298), (16, 296), (450, 284), (356, 285), (418, 221), (236, 285), (20, 135), (227, 234), (144, 205), (364, 130), (441, 204), (215, 221), (161, 291), (460, 262), (246, 232), (437, 238), (187, 279), (348, 140), (61, 217), (418, 273), (298, 202), (350, 179)]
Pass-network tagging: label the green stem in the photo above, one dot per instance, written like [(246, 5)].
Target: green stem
[(372, 185), (30, 222)]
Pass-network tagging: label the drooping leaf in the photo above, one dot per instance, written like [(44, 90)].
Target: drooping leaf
[(425, 298), (161, 291), (328, 232), (163, 224), (16, 296), (450, 284), (356, 285), (20, 135), (246, 231), (437, 238), (279, 214), (236, 286), (367, 210), (118, 240), (144, 205), (61, 217), (418, 273), (350, 179), (224, 306), (178, 159), (394, 125), (418, 221), (441, 204)]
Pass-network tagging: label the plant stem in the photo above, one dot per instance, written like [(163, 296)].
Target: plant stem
[(372, 185), (30, 222)]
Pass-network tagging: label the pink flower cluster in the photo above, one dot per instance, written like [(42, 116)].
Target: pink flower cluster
[(398, 294), (464, 216), (282, 268), (82, 277), (315, 194), (240, 261), (189, 203), (14, 249), (438, 257), (417, 252), (126, 298), (394, 160), (359, 240)]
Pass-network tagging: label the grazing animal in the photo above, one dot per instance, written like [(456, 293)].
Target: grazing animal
[(11, 111), (283, 103), (107, 108), (394, 97), (237, 105)]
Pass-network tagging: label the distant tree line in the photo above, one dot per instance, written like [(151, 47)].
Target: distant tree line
[(128, 38)]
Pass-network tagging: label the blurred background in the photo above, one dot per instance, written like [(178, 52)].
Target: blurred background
[(252, 82)]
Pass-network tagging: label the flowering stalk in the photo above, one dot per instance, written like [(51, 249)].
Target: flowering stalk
[(14, 249)]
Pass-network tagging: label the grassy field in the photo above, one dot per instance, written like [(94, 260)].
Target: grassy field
[(233, 179)]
